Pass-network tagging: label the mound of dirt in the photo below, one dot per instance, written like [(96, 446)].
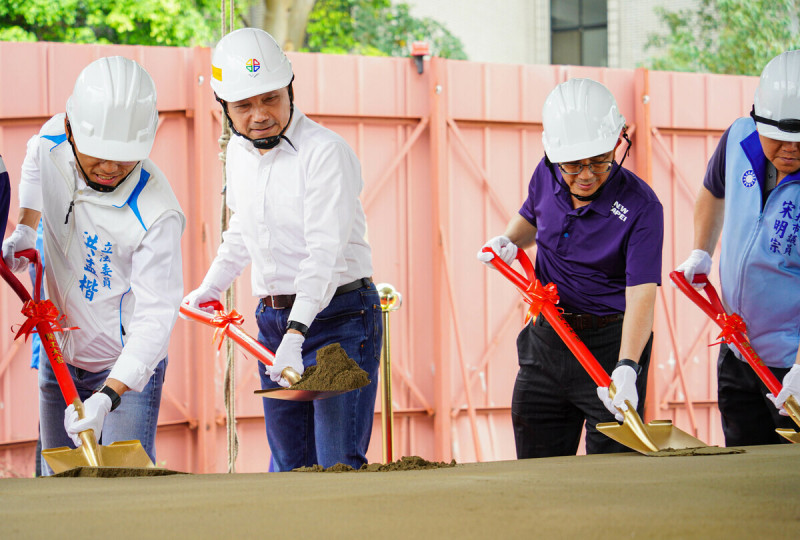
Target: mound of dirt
[(406, 463), (335, 371)]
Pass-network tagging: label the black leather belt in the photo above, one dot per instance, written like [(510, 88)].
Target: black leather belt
[(586, 321), (283, 301)]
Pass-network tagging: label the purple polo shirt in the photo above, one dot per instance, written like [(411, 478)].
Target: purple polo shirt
[(592, 253)]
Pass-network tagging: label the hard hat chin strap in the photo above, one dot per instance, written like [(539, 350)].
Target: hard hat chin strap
[(596, 194), (94, 185), (266, 143)]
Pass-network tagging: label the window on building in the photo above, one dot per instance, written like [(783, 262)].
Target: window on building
[(579, 32)]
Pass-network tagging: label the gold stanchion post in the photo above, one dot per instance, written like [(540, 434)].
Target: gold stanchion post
[(390, 301)]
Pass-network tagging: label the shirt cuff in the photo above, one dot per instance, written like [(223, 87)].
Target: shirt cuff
[(134, 374), (303, 311), (30, 196)]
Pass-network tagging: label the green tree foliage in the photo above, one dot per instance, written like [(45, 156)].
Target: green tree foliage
[(735, 37), (375, 28), (139, 22)]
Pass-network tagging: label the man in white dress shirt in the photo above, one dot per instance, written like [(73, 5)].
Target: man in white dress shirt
[(293, 188), (112, 229)]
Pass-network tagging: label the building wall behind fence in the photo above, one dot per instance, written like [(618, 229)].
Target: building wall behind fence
[(446, 157)]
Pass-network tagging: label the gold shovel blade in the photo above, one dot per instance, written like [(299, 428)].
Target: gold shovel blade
[(120, 454), (661, 433), (789, 434), (299, 395)]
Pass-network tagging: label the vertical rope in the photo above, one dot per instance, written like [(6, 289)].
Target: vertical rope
[(229, 384)]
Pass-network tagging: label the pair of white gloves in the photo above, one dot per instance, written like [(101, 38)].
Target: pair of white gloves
[(289, 353), (699, 262), (624, 377)]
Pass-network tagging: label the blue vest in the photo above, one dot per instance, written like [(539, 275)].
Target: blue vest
[(760, 258)]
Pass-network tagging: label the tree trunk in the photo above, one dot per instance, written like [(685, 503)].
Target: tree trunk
[(285, 20)]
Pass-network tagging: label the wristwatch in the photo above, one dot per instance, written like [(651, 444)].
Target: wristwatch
[(628, 362), (111, 393), (300, 327)]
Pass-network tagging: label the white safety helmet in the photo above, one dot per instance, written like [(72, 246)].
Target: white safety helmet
[(112, 111), (778, 97), (581, 120), (248, 62)]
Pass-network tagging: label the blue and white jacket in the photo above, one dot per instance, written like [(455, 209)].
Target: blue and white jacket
[(760, 258), (113, 259)]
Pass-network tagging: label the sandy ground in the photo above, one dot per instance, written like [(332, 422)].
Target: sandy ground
[(751, 495)]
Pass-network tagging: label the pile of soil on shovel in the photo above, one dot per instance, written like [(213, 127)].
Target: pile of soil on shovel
[(406, 463), (701, 451), (335, 371)]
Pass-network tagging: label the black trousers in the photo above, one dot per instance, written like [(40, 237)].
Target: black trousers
[(748, 416), (553, 395)]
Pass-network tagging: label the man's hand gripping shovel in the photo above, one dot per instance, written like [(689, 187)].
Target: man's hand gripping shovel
[(44, 316), (229, 325), (633, 433), (734, 331)]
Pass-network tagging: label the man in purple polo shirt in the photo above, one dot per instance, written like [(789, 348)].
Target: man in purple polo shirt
[(599, 231)]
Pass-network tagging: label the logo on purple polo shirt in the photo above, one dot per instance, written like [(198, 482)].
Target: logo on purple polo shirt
[(749, 178), (252, 66)]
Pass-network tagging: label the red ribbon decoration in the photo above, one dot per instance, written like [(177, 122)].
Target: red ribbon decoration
[(43, 311), (539, 296), (222, 321), (731, 324)]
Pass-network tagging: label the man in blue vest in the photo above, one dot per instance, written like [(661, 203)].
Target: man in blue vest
[(751, 194)]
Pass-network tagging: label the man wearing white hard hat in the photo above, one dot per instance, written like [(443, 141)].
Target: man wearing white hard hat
[(751, 195), (112, 229), (599, 230), (293, 187)]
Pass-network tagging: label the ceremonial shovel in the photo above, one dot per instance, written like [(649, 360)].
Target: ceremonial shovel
[(121, 454), (229, 325), (633, 433), (734, 331)]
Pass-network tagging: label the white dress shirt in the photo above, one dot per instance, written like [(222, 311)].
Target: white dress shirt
[(297, 218)]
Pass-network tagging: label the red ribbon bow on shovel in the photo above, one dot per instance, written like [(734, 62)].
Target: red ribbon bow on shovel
[(731, 324), (43, 311), (540, 295), (222, 321)]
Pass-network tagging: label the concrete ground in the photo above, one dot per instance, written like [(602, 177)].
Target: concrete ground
[(755, 494)]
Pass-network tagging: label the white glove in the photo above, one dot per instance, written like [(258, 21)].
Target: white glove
[(699, 262), (204, 293), (289, 354), (791, 387), (501, 245), (624, 379), (95, 410), (21, 239)]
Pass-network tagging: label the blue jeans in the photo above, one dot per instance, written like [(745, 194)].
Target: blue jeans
[(135, 419), (336, 429), (554, 395), (748, 416)]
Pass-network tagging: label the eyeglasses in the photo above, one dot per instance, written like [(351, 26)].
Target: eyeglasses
[(789, 125), (597, 167)]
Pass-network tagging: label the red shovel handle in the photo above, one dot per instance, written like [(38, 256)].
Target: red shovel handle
[(242, 338), (49, 343), (551, 313), (714, 309)]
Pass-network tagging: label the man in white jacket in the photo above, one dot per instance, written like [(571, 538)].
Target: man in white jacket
[(112, 229)]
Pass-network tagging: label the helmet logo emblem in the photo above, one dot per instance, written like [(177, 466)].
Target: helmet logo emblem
[(749, 178), (253, 66)]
